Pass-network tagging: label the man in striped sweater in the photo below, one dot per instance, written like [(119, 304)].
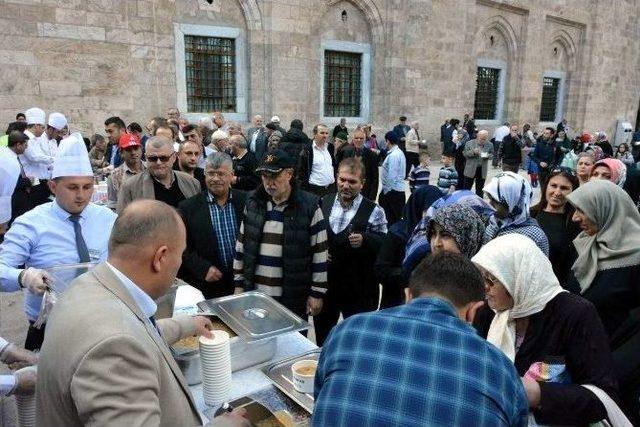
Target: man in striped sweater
[(281, 248)]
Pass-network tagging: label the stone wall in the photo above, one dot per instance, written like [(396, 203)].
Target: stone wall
[(96, 58)]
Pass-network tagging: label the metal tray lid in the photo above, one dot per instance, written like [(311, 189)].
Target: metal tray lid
[(63, 275), (254, 316)]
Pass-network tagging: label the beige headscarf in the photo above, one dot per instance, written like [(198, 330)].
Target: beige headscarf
[(517, 262), (617, 243)]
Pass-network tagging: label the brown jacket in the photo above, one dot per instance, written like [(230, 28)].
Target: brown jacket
[(141, 187), (102, 362)]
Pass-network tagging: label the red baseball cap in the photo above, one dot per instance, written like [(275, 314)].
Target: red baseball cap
[(129, 140)]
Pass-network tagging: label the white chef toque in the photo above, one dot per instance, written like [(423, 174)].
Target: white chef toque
[(57, 121), (72, 158), (35, 116)]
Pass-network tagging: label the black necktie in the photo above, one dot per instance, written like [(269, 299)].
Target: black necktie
[(22, 174), (81, 246)]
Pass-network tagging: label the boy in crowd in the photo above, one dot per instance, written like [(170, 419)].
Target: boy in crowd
[(447, 177), (419, 175)]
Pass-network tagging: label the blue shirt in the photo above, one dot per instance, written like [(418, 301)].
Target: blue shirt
[(44, 238), (144, 302), (225, 226), (415, 365), (393, 170)]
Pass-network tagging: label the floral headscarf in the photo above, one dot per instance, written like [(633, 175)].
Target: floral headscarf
[(617, 168), (463, 223)]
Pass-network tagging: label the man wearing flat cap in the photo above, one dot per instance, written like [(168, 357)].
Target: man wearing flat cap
[(281, 248)]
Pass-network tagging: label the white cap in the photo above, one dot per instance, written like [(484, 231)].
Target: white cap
[(72, 158), (57, 121), (218, 135), (275, 119), (35, 116)]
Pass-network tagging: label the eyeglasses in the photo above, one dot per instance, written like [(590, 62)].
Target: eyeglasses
[(163, 159)]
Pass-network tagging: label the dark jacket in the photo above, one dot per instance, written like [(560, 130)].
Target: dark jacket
[(560, 231), (109, 152), (388, 270), (305, 164), (293, 142), (567, 331), (297, 257), (511, 150), (198, 173), (544, 152), (244, 169), (370, 160), (202, 245)]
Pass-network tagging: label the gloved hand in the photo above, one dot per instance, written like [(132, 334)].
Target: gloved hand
[(25, 381), (17, 357), (35, 280)]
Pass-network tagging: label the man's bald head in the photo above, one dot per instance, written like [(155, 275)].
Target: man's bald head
[(144, 224)]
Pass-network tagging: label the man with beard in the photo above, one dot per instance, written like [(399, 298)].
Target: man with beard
[(355, 231), (212, 219), (188, 155), (131, 152), (244, 165), (370, 161), (281, 248), (159, 181), (544, 154)]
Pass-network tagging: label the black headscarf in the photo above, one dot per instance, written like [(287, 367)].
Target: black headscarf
[(418, 202)]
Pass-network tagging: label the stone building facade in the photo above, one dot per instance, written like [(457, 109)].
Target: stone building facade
[(94, 58)]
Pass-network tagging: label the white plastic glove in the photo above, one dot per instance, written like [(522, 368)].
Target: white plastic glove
[(35, 280), (25, 381)]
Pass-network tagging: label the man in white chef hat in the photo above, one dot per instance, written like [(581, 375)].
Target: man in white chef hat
[(55, 131), (37, 159), (68, 230)]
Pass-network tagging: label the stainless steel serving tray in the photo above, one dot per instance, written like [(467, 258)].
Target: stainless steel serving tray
[(281, 376), (254, 316)]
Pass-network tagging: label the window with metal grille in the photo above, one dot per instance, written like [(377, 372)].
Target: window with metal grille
[(486, 102), (549, 103), (210, 73), (342, 86)]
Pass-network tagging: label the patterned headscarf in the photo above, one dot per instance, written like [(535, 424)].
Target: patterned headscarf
[(596, 152), (463, 223), (617, 168), (513, 191)]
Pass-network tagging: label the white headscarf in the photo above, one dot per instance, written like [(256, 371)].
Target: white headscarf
[(517, 262), (514, 191), (617, 242)]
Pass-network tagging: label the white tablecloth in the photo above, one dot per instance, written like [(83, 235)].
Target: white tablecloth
[(252, 379)]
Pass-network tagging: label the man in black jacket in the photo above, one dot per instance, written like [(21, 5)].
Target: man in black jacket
[(355, 230), (511, 151), (295, 140), (244, 165), (212, 219), (370, 161)]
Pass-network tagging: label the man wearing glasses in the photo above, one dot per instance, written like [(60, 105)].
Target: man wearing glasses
[(159, 181)]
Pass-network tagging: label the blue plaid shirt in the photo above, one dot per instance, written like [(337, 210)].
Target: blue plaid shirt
[(225, 227), (415, 365)]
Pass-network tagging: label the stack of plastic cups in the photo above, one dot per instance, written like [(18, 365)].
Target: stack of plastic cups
[(215, 356), (26, 406)]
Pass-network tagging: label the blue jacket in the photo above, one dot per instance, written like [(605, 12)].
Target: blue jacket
[(544, 152)]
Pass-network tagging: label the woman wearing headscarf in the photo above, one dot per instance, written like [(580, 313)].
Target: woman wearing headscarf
[(388, 266), (456, 228), (510, 195), (554, 213), (419, 246), (610, 169), (607, 273), (555, 338)]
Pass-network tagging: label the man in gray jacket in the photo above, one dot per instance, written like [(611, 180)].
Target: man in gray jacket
[(477, 152)]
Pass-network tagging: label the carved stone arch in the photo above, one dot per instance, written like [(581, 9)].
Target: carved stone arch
[(371, 12), (252, 14), (504, 28), (565, 40)]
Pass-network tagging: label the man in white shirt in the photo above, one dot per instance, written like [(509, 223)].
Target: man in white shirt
[(498, 136), (15, 187), (36, 159), (55, 131), (316, 165)]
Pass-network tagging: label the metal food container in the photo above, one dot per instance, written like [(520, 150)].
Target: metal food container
[(167, 302), (258, 320)]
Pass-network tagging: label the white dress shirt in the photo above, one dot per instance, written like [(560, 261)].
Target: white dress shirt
[(36, 159), (44, 237), (322, 167), (9, 174)]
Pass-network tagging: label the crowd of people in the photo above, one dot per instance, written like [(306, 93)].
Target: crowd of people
[(463, 305)]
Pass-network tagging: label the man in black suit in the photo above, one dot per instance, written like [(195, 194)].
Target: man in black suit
[(212, 219), (370, 161)]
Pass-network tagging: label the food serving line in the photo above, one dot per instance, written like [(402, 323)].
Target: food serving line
[(262, 342)]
